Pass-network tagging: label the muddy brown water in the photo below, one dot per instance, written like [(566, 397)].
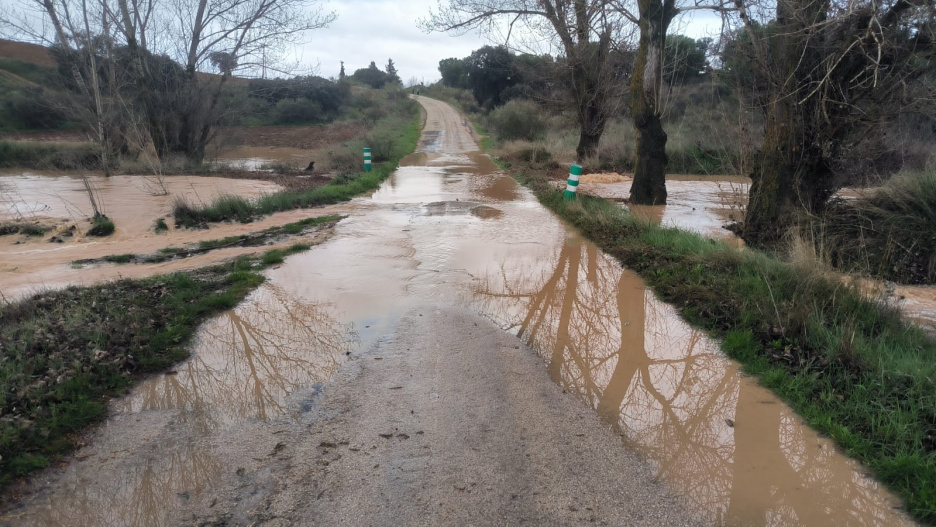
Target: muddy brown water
[(447, 227), (134, 203), (257, 157), (703, 204)]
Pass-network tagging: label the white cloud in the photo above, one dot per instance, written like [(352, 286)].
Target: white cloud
[(377, 30)]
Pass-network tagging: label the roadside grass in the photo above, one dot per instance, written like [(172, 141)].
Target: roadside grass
[(66, 353), (253, 239), (847, 364), (342, 188)]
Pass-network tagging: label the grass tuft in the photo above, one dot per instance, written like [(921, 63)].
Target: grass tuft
[(101, 226)]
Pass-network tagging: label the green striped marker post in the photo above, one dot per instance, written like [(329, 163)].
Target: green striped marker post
[(367, 160), (572, 185)]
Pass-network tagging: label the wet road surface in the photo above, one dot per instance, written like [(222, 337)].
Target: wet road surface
[(400, 374)]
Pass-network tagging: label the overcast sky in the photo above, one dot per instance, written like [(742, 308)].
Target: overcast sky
[(376, 30)]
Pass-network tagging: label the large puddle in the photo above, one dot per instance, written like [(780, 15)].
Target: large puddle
[(265, 157), (447, 228)]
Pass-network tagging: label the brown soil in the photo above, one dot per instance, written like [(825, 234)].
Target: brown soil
[(294, 136), (32, 53)]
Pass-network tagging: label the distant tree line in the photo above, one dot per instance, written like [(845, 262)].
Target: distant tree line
[(826, 76)]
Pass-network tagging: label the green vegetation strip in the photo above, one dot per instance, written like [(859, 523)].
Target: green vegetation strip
[(244, 240), (44, 156), (850, 366), (342, 188), (64, 353), (26, 229)]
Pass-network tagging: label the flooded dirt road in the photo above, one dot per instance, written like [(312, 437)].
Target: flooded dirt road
[(453, 355)]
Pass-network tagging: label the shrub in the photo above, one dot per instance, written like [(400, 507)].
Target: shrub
[(101, 226), (297, 111), (518, 120), (381, 143), (890, 233)]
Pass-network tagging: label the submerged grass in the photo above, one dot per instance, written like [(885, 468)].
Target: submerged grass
[(64, 354), (244, 240), (101, 226), (26, 229), (849, 365), (343, 188)]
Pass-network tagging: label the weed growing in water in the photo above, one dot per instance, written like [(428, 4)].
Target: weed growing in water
[(101, 226)]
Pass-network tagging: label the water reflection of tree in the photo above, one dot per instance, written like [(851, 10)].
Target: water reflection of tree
[(248, 360), (245, 364), (670, 392)]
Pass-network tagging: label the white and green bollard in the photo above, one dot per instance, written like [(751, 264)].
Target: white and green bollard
[(367, 160), (572, 185)]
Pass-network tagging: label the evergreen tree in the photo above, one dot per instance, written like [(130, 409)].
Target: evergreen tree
[(392, 72)]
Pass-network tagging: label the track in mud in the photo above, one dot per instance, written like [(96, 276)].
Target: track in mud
[(233, 434)]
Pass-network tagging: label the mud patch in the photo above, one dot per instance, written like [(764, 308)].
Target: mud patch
[(486, 213)]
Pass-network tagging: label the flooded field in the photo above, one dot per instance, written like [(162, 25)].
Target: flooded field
[(447, 229), (31, 263), (703, 204), (264, 157), (132, 202)]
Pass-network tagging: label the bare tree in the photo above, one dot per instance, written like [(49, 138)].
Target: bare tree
[(831, 71), (182, 108), (585, 31), (653, 17)]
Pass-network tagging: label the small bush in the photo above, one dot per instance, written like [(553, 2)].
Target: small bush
[(101, 226), (518, 120), (381, 144), (298, 111), (159, 226), (347, 158)]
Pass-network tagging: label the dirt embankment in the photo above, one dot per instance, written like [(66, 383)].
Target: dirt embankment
[(26, 52), (308, 137)]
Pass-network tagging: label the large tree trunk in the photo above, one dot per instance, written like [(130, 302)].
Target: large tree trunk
[(790, 174), (593, 122), (649, 187)]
